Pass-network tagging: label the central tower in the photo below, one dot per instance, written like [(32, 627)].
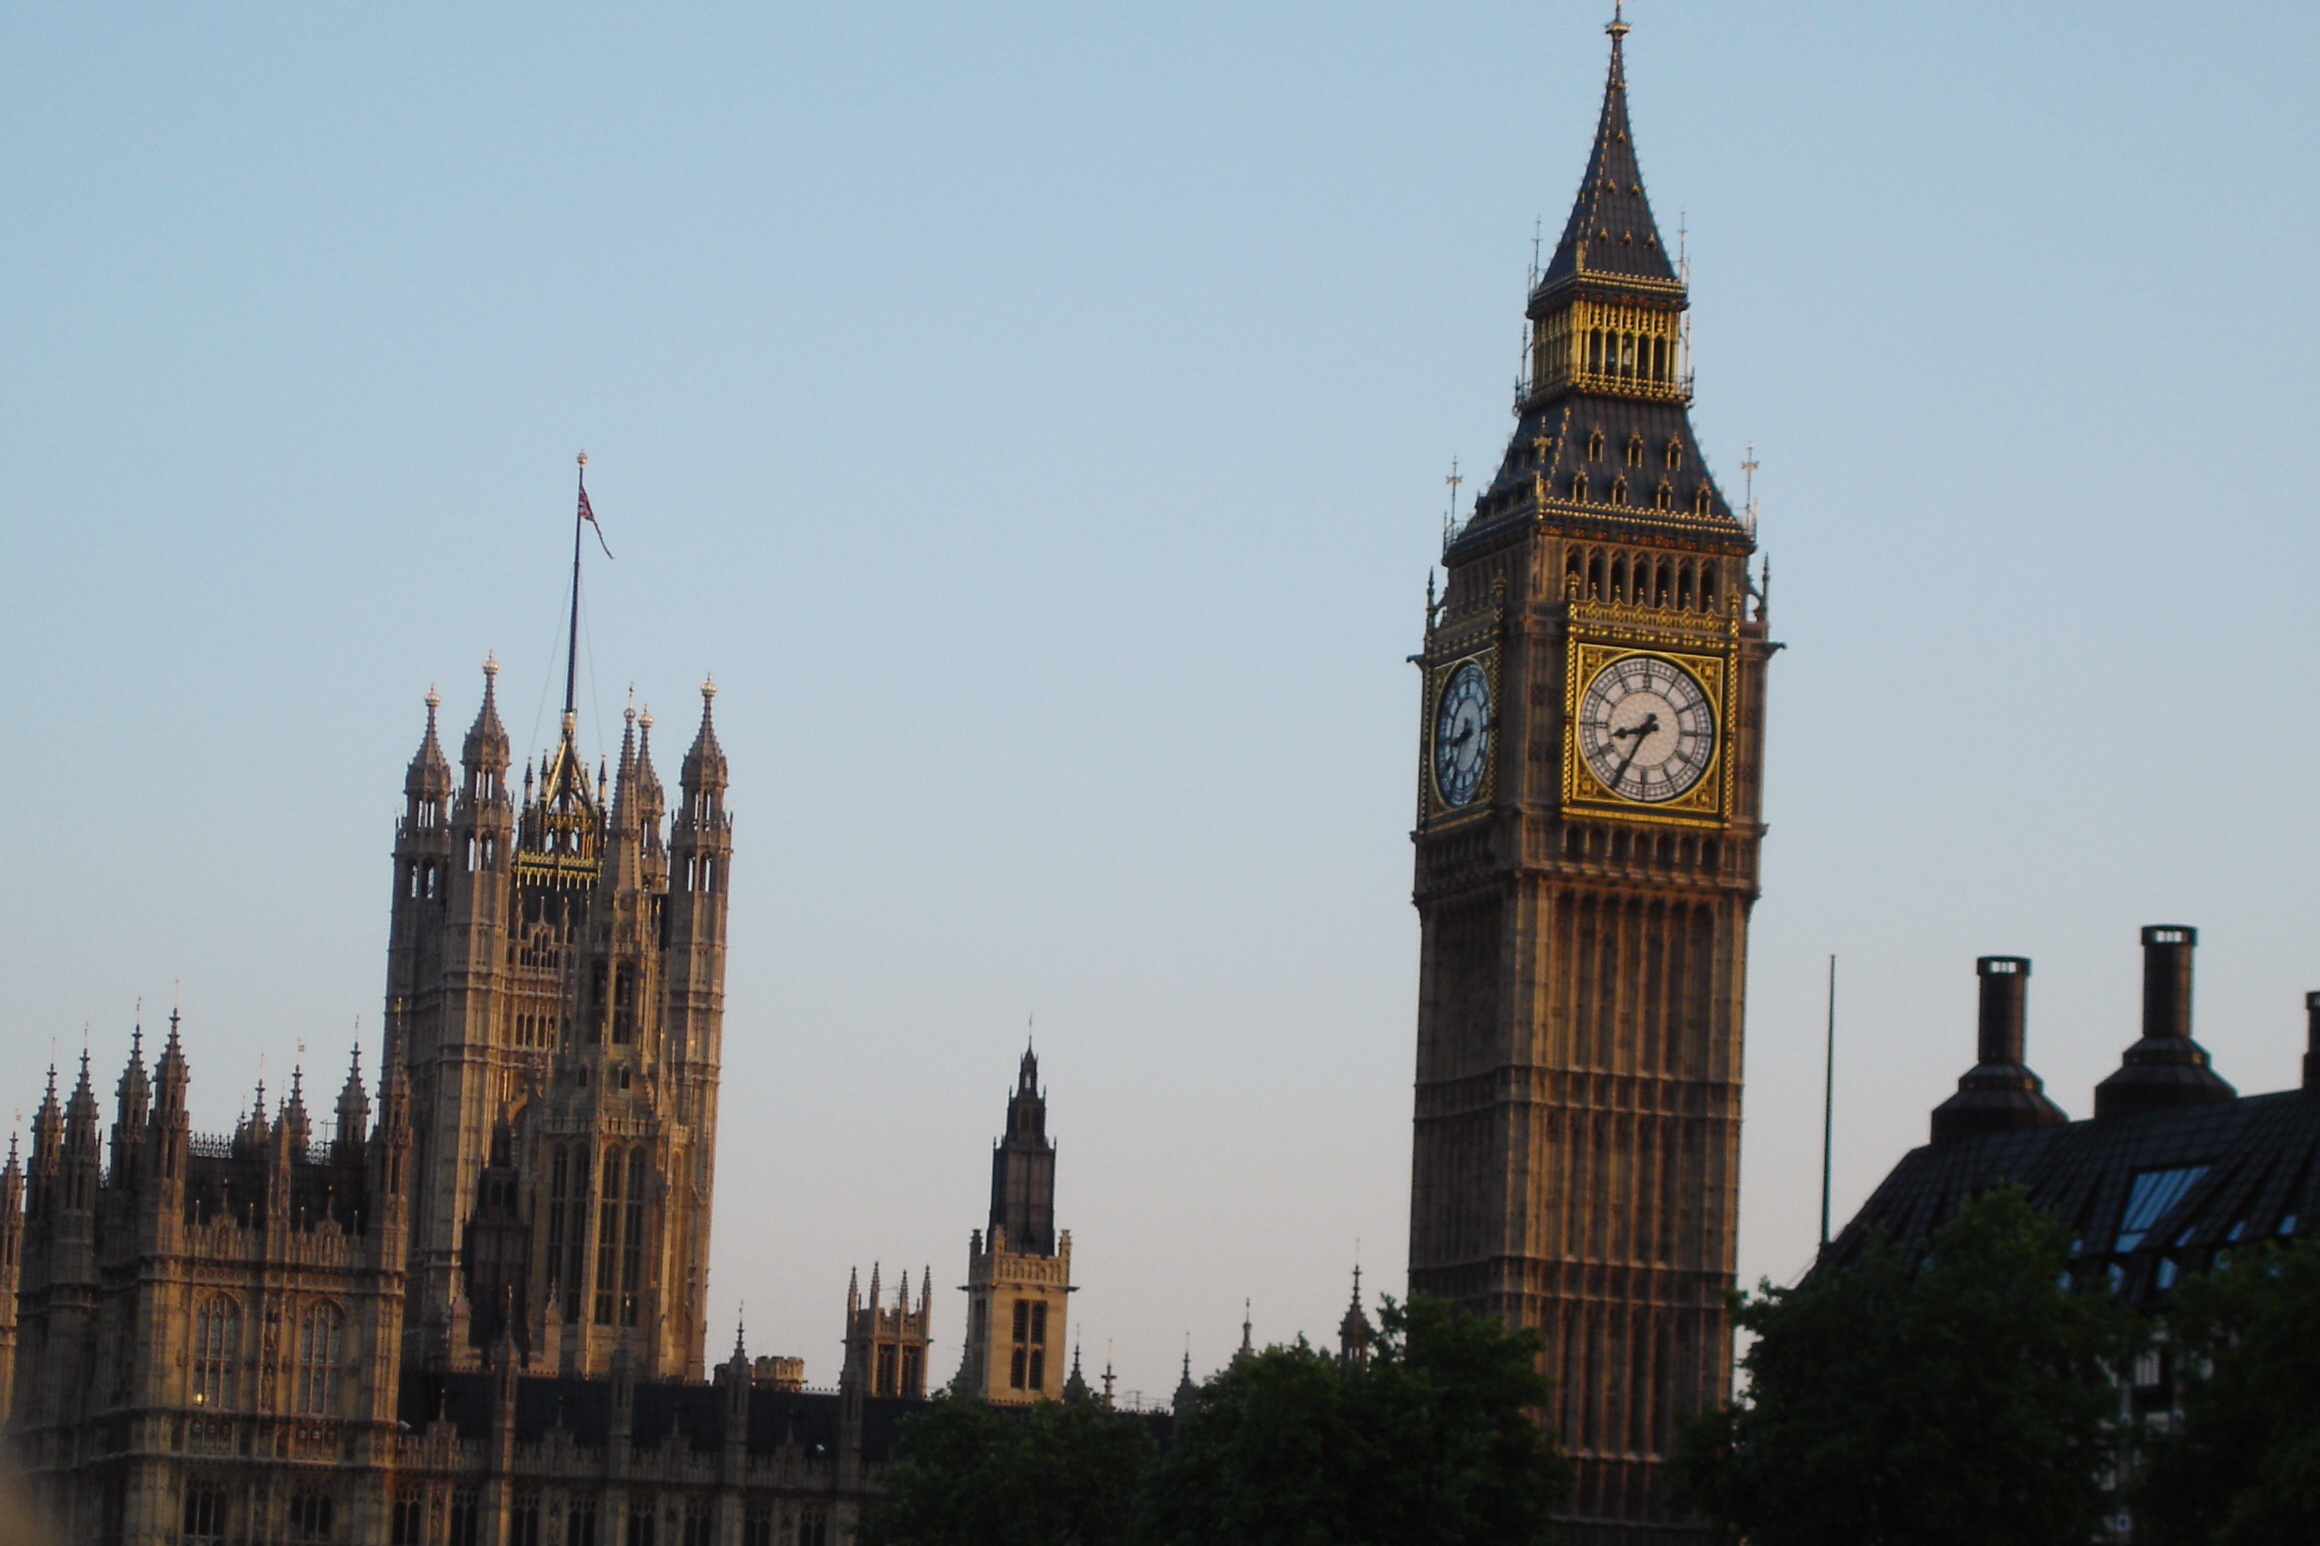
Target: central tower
[(1586, 861)]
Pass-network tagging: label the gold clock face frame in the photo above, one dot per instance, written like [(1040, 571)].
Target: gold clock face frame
[(1458, 772), (1645, 730)]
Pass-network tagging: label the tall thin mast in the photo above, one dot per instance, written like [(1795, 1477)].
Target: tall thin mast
[(1829, 1105), (572, 640)]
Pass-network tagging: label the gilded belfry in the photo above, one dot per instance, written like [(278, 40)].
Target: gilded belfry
[(1586, 862)]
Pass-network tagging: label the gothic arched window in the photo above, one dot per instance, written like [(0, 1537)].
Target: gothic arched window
[(217, 1341), (1675, 454), (632, 1239), (1635, 450), (321, 1338), (608, 1235)]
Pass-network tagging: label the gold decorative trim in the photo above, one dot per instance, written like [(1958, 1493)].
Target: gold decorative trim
[(1431, 806), (1706, 802)]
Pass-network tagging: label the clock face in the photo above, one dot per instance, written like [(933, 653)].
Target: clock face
[(1646, 728), (1462, 735)]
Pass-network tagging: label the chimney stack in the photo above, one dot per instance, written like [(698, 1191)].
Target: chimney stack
[(2167, 951), (2312, 1041), (2005, 1006), (2166, 1068), (1999, 1094)]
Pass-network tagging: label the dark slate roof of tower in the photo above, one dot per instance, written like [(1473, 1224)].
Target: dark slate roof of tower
[(2146, 1197), (1595, 454), (1610, 232)]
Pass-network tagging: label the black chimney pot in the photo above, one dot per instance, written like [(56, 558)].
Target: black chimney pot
[(2166, 1068), (1999, 1094), (2312, 1042)]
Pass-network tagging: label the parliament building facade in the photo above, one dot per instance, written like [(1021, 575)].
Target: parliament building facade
[(471, 1309)]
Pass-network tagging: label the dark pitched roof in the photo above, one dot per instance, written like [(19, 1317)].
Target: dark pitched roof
[(2145, 1196), (1611, 233)]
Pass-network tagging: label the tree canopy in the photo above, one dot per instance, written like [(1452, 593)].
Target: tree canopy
[(1061, 1473), (1429, 1442), (1963, 1397), (2241, 1467)]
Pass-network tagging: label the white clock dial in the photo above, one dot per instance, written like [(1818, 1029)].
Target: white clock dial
[(1462, 735), (1646, 728)]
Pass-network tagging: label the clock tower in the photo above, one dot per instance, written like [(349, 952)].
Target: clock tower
[(1587, 834)]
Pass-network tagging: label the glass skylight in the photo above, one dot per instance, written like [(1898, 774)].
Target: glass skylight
[(2149, 1197)]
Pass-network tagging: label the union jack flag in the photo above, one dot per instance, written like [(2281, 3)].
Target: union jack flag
[(589, 515)]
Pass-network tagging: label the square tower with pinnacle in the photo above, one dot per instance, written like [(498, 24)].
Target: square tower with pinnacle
[(1018, 1271), (1586, 861)]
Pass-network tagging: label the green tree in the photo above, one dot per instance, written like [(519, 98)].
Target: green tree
[(1431, 1443), (2242, 1466), (1963, 1398), (1060, 1473)]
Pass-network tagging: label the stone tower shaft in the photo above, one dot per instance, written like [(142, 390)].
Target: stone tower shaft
[(556, 1006), (1586, 861)]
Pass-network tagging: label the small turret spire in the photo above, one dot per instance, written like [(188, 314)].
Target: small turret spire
[(704, 766), (429, 777), (486, 750)]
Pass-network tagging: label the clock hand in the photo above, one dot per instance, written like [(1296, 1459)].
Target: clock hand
[(1649, 724), (1640, 729)]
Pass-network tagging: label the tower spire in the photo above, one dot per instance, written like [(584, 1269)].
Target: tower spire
[(1610, 232)]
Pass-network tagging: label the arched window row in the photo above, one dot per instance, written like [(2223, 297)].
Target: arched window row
[(1631, 356), (1658, 850), (482, 853), (1643, 579), (1637, 450), (701, 873), (423, 880)]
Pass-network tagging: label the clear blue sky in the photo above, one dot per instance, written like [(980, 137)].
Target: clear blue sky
[(1036, 416)]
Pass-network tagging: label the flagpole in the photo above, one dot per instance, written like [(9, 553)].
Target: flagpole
[(572, 639), (1829, 1105)]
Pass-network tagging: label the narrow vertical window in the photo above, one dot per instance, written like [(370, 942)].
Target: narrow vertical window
[(217, 1341), (559, 1190), (632, 1240), (608, 1239), (320, 1335)]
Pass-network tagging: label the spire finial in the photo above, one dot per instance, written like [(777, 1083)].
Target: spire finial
[(490, 667), (708, 690), (1618, 27), (433, 700)]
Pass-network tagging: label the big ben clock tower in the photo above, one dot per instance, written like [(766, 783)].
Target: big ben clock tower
[(1586, 862)]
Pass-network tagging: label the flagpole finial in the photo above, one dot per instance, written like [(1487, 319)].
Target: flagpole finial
[(584, 458)]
